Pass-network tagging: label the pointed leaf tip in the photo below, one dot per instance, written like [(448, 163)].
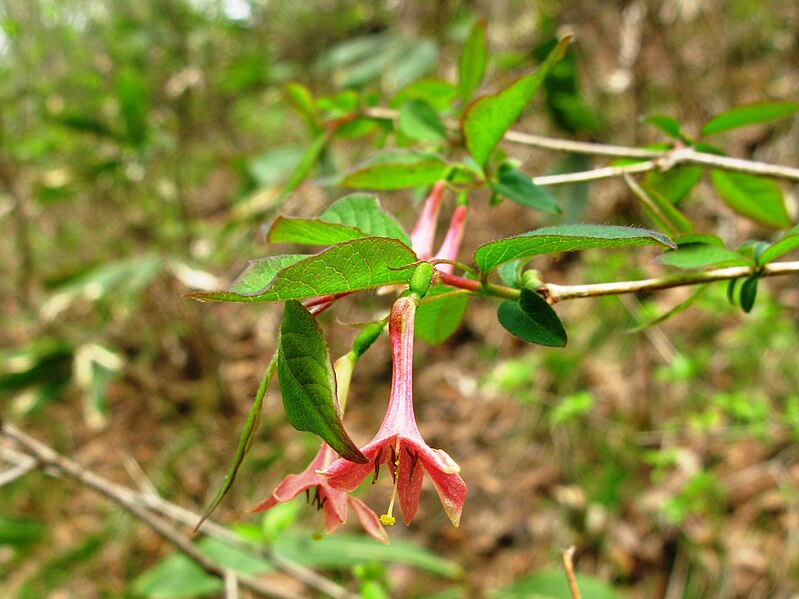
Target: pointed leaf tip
[(308, 383)]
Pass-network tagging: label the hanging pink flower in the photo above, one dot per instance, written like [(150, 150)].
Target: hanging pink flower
[(331, 502), (398, 443), (423, 234), (452, 242)]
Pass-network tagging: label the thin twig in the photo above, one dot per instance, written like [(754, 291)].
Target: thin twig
[(655, 159), (142, 505), (19, 470), (568, 564), (556, 293), (606, 172)]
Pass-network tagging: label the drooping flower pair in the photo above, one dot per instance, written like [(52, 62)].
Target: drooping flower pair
[(423, 234)]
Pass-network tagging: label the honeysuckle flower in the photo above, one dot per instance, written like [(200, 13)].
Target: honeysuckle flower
[(398, 443), (332, 503), (452, 242), (424, 232)]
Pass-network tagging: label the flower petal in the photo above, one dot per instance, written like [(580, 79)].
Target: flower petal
[(369, 520), (449, 485), (345, 475), (409, 485)]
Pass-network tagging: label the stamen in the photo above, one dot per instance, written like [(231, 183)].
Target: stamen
[(377, 465), (414, 460), (307, 496), (394, 464), (317, 535), (388, 519)]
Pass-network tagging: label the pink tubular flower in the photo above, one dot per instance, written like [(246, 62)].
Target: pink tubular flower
[(424, 232), (398, 443), (331, 502), (452, 242)]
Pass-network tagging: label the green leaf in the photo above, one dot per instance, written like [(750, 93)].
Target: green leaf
[(682, 306), (786, 243), (661, 210), (343, 268), (666, 124), (312, 231), (245, 440), (472, 65), (176, 577), (676, 183), (440, 314), (564, 238), (749, 293), (488, 118), (355, 216), (516, 186), (532, 319), (757, 197), (20, 531), (697, 255), (132, 92), (259, 273), (387, 176), (418, 120), (344, 551), (306, 163), (301, 101), (439, 94), (553, 584), (308, 383), (749, 114), (364, 212)]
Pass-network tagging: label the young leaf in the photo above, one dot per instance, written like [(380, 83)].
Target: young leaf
[(354, 216), (306, 163), (472, 65), (532, 319), (346, 267), (682, 306), (245, 440), (757, 197), (440, 314), (666, 124), (786, 243), (564, 238), (749, 293), (439, 94), (749, 114), (696, 255), (418, 120), (488, 118), (516, 186), (676, 183), (660, 209), (384, 176), (301, 101), (308, 383)]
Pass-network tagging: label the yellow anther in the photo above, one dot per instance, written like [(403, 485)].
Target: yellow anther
[(387, 520)]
